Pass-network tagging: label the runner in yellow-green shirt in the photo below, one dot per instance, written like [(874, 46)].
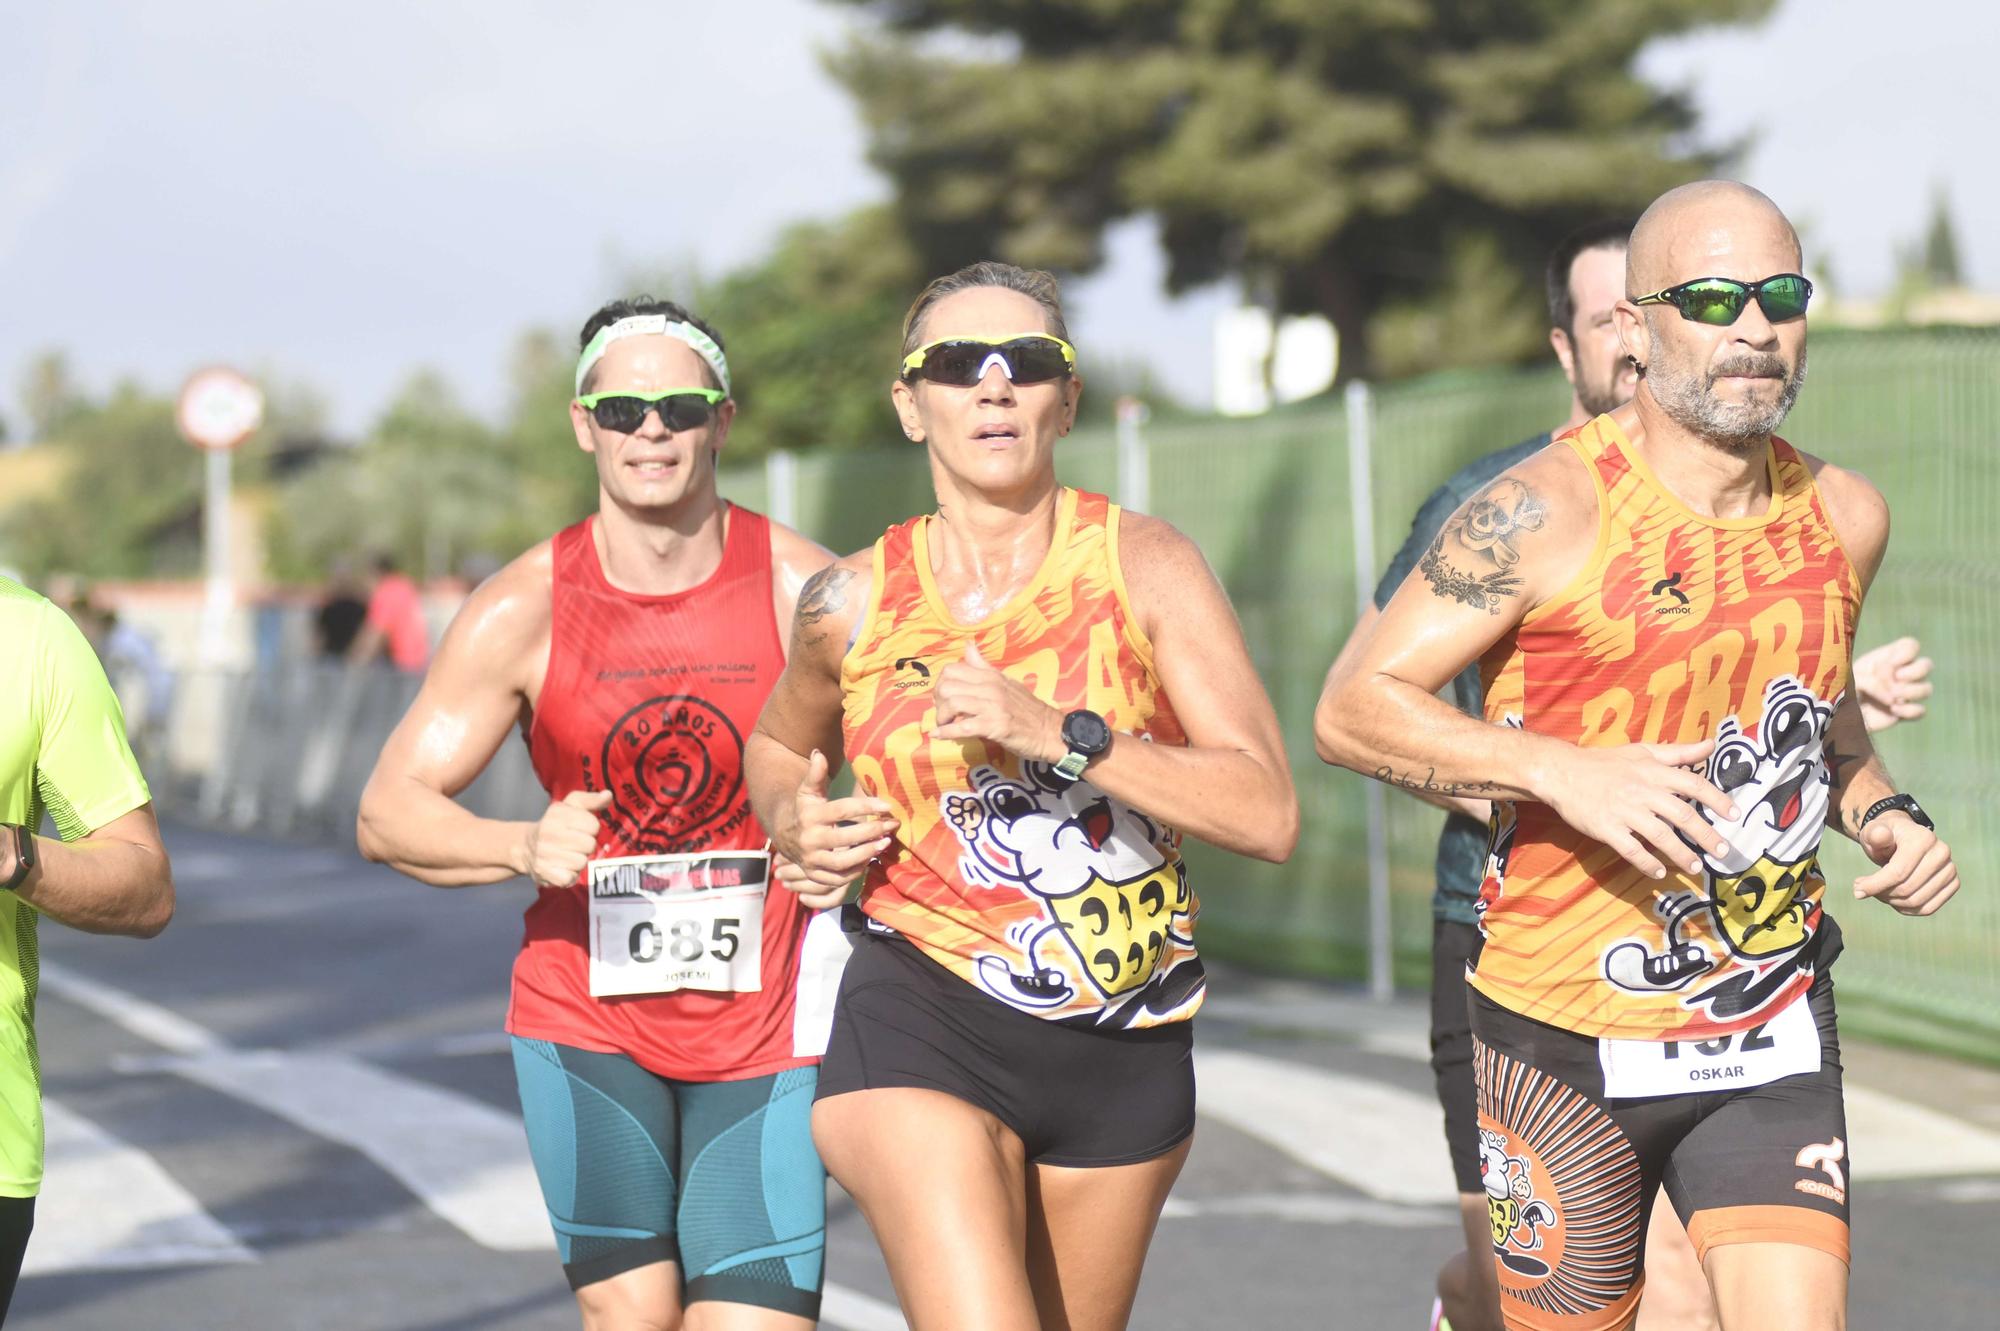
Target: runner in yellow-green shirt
[(62, 754)]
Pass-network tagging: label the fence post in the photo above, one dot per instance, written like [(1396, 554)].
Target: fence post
[(1361, 505), (1135, 473), (781, 486)]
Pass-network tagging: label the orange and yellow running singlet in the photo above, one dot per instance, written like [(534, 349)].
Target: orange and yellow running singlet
[(1680, 628), (1047, 895)]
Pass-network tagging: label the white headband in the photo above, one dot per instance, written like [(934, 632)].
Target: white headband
[(653, 325)]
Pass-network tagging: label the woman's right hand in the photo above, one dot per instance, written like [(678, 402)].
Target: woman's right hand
[(562, 842), (831, 840)]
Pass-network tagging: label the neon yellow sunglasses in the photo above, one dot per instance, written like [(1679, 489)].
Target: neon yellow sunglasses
[(679, 408), (1025, 358)]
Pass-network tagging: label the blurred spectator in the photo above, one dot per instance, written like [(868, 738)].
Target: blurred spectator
[(340, 616), (395, 626), (139, 674)]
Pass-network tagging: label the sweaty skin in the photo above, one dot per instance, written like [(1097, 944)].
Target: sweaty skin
[(660, 530), (974, 1235), (1520, 542)]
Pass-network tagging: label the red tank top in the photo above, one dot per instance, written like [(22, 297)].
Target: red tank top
[(651, 697)]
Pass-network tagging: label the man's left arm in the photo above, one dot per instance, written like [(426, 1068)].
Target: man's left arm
[(1916, 873), (109, 874)]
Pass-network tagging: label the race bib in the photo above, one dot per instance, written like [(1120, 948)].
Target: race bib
[(659, 923), (1786, 1044)]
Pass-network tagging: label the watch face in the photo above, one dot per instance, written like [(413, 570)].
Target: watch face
[(1086, 732)]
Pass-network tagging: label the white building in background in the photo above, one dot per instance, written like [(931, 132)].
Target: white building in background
[(1302, 353)]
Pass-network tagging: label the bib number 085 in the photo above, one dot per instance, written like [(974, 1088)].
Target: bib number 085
[(663, 923), (683, 940)]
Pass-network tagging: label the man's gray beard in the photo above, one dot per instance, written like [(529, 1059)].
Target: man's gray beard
[(1736, 427)]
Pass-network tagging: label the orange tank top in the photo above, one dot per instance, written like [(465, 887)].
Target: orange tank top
[(1049, 896), (1680, 628)]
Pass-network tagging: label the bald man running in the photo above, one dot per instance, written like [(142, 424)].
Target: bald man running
[(1663, 605)]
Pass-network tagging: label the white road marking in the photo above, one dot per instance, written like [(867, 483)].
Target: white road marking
[(463, 1159), (1383, 1140), (109, 1206), (467, 1161), (148, 1021)]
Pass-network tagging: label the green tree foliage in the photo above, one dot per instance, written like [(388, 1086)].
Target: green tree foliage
[(813, 332), (431, 484), (1397, 165), (129, 504)]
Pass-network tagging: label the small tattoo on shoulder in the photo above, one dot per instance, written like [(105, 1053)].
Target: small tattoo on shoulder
[(1483, 541)]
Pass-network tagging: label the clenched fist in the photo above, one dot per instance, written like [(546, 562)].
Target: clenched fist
[(835, 839), (976, 701), (562, 842)]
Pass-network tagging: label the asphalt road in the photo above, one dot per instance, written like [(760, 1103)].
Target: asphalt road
[(295, 1110)]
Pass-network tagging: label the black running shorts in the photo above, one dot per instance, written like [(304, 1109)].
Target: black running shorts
[(17, 1221), (1570, 1174), (1074, 1095), (1454, 946)]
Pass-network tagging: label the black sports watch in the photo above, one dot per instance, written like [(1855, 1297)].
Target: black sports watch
[(1087, 736), (24, 854), (1907, 803)]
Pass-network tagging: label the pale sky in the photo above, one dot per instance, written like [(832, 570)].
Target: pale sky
[(340, 194)]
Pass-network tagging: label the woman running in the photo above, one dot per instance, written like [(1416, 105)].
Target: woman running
[(1039, 695)]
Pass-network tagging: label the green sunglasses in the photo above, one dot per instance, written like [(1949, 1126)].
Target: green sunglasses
[(1720, 300), (679, 408)]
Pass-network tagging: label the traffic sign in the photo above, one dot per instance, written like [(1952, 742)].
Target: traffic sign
[(218, 409)]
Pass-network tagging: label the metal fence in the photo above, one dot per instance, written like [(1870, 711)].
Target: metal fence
[(1274, 503)]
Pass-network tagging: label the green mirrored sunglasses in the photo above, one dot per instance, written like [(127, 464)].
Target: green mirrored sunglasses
[(1720, 300)]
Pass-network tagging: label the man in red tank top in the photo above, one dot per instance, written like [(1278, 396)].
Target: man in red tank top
[(654, 998)]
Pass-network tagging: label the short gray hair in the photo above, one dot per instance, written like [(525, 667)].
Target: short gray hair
[(1033, 283)]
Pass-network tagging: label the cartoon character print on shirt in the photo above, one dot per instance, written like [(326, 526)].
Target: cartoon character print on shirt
[(1109, 880), (1518, 1217), (1759, 906)]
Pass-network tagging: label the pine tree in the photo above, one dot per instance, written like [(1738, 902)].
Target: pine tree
[(1372, 160), (1940, 258)]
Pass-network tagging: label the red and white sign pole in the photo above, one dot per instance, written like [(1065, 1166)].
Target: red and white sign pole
[(218, 409)]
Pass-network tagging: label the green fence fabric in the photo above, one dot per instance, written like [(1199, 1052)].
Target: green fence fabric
[(1268, 501)]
